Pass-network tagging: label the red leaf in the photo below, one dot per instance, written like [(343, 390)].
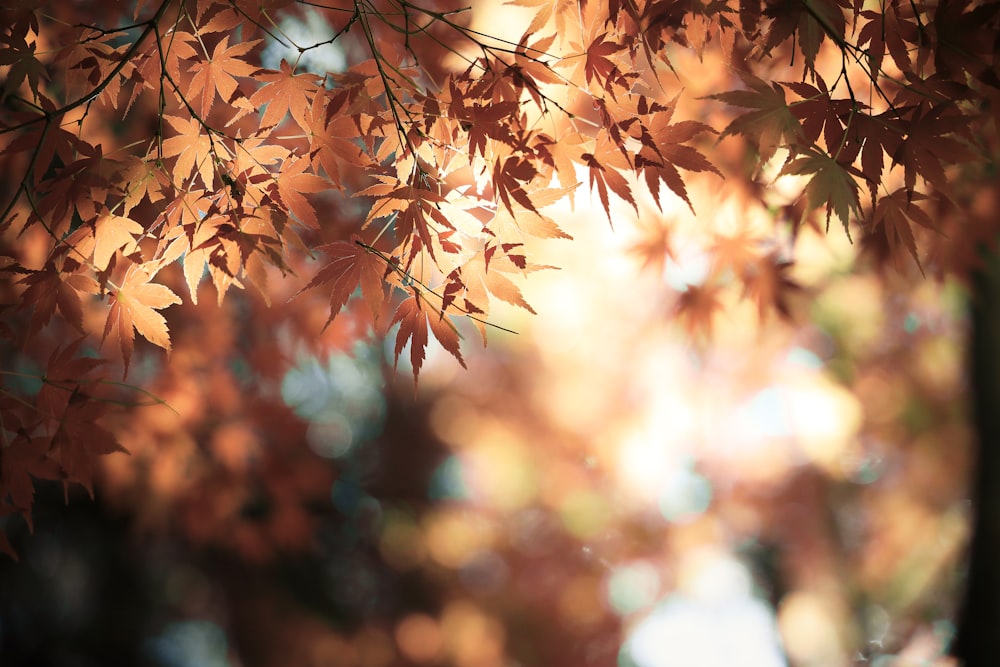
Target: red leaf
[(413, 316), (351, 264)]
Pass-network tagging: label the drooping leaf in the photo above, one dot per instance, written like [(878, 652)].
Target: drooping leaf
[(892, 217), (352, 264), (414, 315), (771, 125), (831, 185)]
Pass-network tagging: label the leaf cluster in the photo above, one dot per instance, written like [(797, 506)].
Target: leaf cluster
[(420, 172)]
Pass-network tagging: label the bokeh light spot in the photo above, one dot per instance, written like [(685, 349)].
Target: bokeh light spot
[(632, 587), (686, 632), (447, 481), (342, 399), (419, 638), (809, 628), (585, 513), (686, 495), (189, 644), (453, 536), (767, 411)]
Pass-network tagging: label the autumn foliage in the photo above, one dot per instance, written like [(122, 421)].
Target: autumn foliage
[(150, 156)]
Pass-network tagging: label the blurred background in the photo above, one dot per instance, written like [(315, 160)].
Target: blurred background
[(654, 471), (605, 487)]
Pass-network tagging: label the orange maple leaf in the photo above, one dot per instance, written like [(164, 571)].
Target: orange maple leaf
[(112, 233), (134, 309), (606, 164), (292, 180), (696, 307), (285, 92), (193, 147), (413, 317), (218, 73)]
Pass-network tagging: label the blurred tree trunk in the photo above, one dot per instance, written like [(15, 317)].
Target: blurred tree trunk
[(978, 637)]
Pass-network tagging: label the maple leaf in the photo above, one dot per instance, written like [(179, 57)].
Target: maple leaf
[(141, 178), (19, 56), (181, 47), (889, 31), (21, 461), (134, 308), (413, 316), (831, 185), (485, 121), (664, 151), (80, 440), (965, 41), (599, 65), (696, 307), (112, 233), (883, 134), (772, 124), (352, 264), (94, 61), (892, 217), (285, 92), (222, 21), (291, 181), (329, 143), (768, 283), (605, 166), (738, 252), (655, 246), (218, 73), (209, 241), (541, 12), (809, 21), (49, 289), (65, 372), (506, 224), (417, 209), (487, 273), (194, 149), (509, 175), (819, 114), (927, 149)]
